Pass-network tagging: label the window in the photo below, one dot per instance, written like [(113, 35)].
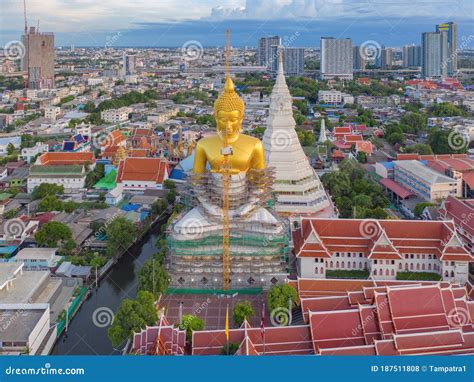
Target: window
[(393, 262), (393, 272), (375, 272), (375, 261), (316, 270), (452, 273)]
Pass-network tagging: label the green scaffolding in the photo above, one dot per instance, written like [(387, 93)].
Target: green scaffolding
[(276, 246)]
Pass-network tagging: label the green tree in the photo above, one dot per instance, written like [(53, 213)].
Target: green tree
[(153, 277), (52, 234), (230, 349), (442, 142), (419, 148), (50, 203), (44, 189), (10, 149), (191, 323), (243, 310), (446, 109), (279, 296), (132, 316), (419, 208), (121, 233)]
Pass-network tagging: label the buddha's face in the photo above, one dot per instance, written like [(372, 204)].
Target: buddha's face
[(229, 123)]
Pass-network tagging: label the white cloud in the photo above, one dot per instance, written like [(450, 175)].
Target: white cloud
[(94, 15), (287, 9)]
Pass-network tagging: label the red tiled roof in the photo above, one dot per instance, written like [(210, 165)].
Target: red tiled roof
[(66, 158), (365, 146), (142, 169), (358, 235), (468, 178), (396, 188)]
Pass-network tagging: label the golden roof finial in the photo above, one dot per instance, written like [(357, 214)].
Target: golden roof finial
[(229, 100)]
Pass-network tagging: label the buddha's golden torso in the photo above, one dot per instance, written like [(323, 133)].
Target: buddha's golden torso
[(247, 153)]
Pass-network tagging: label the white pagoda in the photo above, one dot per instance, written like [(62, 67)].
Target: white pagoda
[(297, 186)]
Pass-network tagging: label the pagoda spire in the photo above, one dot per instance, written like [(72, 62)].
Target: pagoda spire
[(322, 133)]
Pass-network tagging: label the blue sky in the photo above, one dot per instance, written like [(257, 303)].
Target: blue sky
[(164, 23)]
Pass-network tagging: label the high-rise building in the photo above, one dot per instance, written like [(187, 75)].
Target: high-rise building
[(293, 60), (264, 49), (129, 64), (336, 58), (411, 56), (433, 54), (38, 60), (451, 61), (439, 51), (359, 60), (386, 58)]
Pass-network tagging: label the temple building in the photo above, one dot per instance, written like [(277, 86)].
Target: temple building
[(229, 189), (344, 317), (382, 248), (297, 186)]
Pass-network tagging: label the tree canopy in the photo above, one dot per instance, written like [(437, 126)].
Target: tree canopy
[(132, 316), (279, 296), (121, 233), (191, 323), (243, 310), (52, 234)]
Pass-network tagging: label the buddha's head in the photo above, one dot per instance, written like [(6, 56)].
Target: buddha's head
[(229, 112)]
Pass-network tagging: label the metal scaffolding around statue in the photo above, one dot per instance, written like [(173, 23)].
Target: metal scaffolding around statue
[(229, 239)]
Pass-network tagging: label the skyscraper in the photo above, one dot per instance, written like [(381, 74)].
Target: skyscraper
[(434, 54), (264, 49), (451, 61), (411, 56), (38, 60), (386, 58), (359, 60), (336, 58), (293, 60), (439, 51), (129, 64)]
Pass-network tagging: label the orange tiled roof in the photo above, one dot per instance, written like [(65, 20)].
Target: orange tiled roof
[(66, 158), (142, 169)]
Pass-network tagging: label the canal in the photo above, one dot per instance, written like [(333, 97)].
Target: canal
[(87, 331)]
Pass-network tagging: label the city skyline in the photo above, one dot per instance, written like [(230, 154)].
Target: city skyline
[(128, 25)]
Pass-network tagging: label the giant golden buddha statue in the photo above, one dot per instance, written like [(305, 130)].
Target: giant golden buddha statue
[(247, 151), (258, 239)]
